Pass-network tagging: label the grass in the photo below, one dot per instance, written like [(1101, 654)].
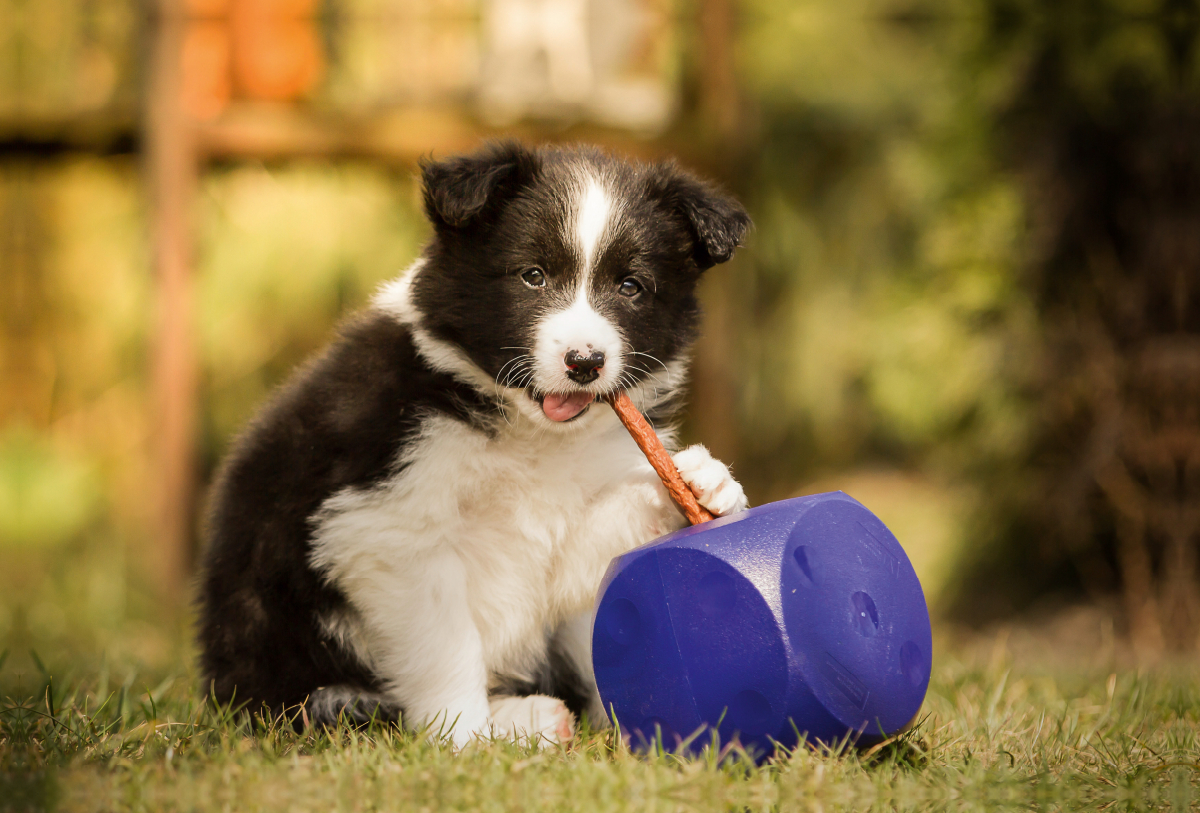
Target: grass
[(989, 738)]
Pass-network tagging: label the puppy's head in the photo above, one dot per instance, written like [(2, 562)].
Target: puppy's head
[(565, 274)]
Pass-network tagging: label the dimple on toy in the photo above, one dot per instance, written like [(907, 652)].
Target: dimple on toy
[(798, 618)]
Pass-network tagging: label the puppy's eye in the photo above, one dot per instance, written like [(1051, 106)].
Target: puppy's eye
[(630, 287), (534, 277)]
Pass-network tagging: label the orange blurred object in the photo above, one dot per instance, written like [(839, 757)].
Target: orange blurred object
[(265, 50), (277, 53), (207, 85), (206, 8)]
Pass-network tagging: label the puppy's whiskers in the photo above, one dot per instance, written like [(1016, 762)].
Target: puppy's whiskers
[(658, 361), (653, 379), (516, 368)]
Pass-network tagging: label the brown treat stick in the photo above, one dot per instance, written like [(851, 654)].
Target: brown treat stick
[(660, 459)]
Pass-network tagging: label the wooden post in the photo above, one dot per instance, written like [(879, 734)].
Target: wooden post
[(171, 174), (714, 411), (720, 101)]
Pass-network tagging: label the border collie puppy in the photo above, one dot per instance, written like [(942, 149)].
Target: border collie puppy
[(416, 525)]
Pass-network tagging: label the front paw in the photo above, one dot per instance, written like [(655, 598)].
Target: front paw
[(544, 720), (711, 481), (455, 730)]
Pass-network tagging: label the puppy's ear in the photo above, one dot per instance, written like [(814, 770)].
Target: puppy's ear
[(717, 221), (458, 190)]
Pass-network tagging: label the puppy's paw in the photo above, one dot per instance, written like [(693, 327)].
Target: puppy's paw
[(456, 730), (537, 717), (711, 481)]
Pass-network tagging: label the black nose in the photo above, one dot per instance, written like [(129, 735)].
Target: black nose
[(583, 369)]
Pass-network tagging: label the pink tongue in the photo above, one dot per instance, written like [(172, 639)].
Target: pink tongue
[(566, 407)]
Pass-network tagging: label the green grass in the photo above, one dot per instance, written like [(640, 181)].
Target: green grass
[(987, 739)]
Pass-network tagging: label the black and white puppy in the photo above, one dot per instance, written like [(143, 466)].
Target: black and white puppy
[(418, 522)]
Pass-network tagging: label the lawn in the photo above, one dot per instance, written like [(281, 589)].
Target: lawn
[(988, 737)]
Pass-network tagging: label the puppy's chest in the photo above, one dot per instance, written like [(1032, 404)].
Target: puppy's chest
[(522, 519), (519, 510)]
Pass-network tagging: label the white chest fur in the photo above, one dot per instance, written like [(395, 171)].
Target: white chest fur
[(527, 521)]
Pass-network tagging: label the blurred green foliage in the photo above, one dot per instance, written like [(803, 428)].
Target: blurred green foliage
[(64, 57), (883, 336), (285, 252), (46, 496)]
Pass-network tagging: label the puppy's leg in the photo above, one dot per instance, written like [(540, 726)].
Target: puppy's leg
[(573, 641), (545, 720), (330, 705), (711, 481), (423, 641), (628, 513)]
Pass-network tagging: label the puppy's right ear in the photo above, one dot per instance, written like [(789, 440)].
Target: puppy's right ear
[(458, 190), (717, 222)]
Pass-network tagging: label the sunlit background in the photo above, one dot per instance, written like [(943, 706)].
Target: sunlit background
[(971, 299)]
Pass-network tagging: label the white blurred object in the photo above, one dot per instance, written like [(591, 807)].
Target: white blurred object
[(575, 59)]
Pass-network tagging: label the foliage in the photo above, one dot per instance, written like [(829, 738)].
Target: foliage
[(876, 330), (881, 305), (975, 263), (1100, 125), (286, 253), (945, 310), (63, 58)]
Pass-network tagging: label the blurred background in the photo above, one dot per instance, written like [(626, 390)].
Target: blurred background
[(972, 298)]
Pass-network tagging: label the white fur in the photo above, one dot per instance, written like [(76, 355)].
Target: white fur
[(578, 326), (395, 298), (460, 565), (345, 629), (544, 720), (557, 329), (592, 214), (710, 480)]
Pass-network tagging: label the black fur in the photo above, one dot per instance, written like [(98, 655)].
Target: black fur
[(459, 190), (344, 419), (340, 422), (718, 223)]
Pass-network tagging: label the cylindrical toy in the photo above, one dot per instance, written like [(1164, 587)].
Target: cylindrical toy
[(799, 618)]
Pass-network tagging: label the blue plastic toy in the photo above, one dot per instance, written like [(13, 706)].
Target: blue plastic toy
[(798, 618)]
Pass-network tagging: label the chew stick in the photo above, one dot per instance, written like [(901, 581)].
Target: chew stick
[(660, 459)]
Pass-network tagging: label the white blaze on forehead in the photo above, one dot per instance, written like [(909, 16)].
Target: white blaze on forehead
[(591, 218)]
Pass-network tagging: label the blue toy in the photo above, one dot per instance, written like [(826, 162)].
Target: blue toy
[(800, 617)]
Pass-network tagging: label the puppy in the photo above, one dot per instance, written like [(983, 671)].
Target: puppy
[(415, 527)]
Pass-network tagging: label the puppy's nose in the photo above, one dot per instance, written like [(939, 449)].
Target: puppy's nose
[(583, 369)]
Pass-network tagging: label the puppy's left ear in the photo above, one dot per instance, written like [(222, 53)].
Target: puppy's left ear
[(461, 190), (717, 221)]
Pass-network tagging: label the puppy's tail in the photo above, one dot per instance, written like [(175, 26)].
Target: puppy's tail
[(330, 706)]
